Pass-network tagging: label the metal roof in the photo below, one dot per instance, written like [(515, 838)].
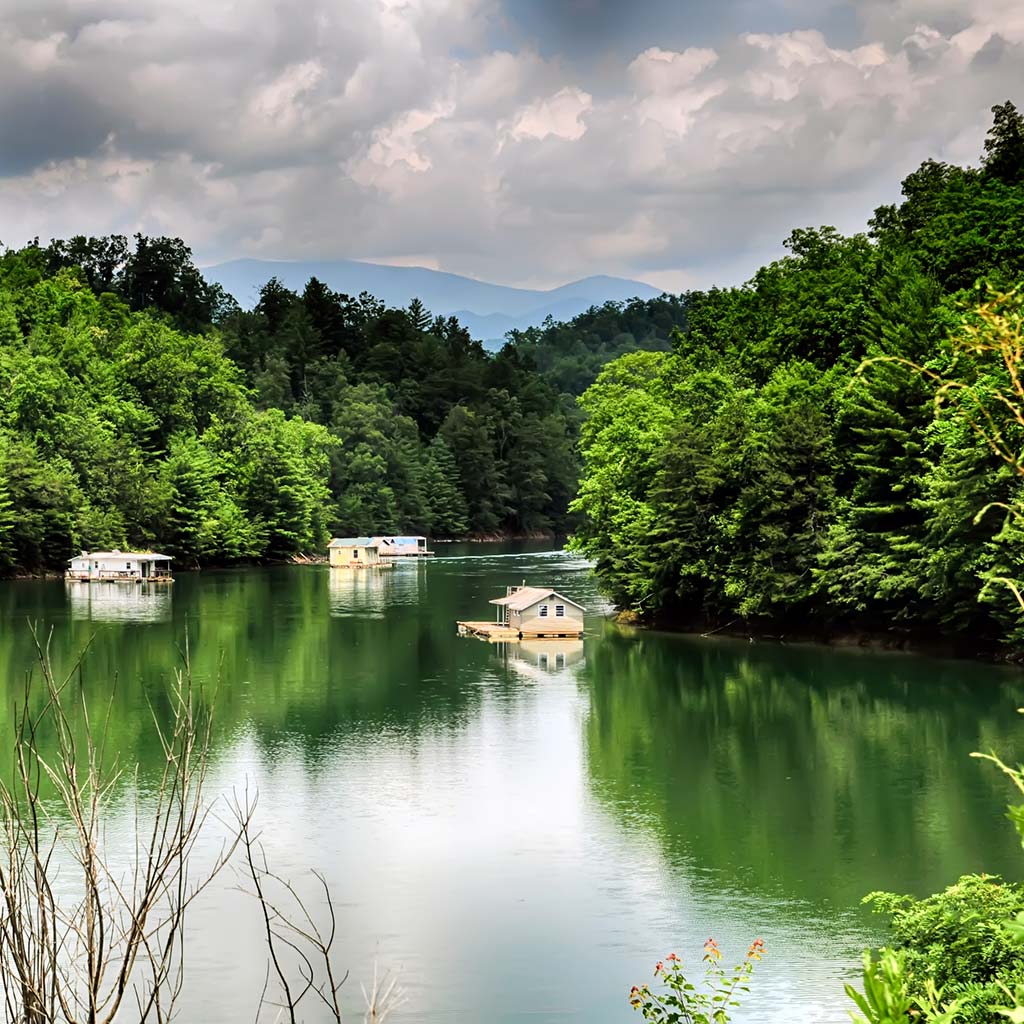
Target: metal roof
[(353, 542), (526, 596), (148, 556)]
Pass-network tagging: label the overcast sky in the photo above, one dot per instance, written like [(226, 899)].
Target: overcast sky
[(520, 141)]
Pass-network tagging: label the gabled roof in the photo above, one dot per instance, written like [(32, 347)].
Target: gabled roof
[(526, 596), (353, 542)]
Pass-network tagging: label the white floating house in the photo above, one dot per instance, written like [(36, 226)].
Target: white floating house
[(539, 612), (120, 567), (402, 547)]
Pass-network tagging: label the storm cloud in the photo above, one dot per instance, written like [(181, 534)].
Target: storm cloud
[(523, 142)]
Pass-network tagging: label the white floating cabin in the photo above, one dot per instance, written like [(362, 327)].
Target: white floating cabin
[(355, 553), (530, 613), (402, 547), (120, 567)]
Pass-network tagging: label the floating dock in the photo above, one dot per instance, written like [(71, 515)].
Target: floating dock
[(488, 630), (498, 631)]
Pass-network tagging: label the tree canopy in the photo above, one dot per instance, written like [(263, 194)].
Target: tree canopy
[(784, 464)]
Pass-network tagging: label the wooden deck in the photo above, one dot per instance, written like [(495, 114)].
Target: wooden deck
[(497, 631)]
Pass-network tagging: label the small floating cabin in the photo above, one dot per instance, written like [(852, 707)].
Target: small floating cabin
[(120, 567), (355, 553), (530, 613), (402, 547)]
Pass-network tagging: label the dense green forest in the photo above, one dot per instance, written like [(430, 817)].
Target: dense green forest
[(784, 466), (140, 406), (570, 354)]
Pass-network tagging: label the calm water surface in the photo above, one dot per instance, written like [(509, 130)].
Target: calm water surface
[(524, 829)]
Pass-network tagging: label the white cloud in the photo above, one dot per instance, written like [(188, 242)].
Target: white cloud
[(560, 115)]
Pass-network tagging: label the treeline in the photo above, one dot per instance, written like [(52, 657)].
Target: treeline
[(433, 434), (784, 465), (570, 354), (139, 406)]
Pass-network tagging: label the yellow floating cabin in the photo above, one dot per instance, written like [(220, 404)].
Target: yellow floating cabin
[(356, 553), (530, 613)]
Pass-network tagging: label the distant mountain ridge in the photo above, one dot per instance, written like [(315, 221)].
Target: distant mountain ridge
[(487, 310)]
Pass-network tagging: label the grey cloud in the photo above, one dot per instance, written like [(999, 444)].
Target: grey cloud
[(48, 122), (354, 130)]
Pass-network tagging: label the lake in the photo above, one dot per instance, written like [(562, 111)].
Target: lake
[(523, 830)]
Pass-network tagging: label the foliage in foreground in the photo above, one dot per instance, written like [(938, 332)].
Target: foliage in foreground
[(98, 875), (680, 1001), (957, 943), (887, 997)]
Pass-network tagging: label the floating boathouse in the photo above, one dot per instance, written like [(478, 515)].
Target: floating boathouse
[(355, 553), (120, 567), (530, 613), (402, 547)]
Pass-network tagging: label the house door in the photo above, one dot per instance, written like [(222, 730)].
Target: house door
[(145, 567)]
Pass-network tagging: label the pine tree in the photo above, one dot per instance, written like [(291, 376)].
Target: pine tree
[(6, 529), (419, 316), (449, 516), (870, 562)]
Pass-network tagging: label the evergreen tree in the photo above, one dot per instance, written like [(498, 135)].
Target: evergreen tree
[(448, 514)]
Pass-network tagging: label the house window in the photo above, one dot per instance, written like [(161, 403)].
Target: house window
[(127, 565), (543, 611), (559, 661), (355, 555), (559, 611)]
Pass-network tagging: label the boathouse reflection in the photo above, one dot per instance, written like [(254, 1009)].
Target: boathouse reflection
[(540, 659), (104, 601)]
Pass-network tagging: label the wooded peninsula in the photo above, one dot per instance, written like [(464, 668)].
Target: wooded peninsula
[(771, 453)]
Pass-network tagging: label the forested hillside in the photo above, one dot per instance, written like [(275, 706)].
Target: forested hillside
[(125, 421), (761, 473), (570, 354)]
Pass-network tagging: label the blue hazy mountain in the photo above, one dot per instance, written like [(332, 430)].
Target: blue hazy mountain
[(487, 310)]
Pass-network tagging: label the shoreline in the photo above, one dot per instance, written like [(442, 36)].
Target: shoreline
[(907, 641), (300, 558)]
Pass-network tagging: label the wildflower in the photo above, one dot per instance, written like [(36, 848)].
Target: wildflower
[(711, 951), (672, 957), (658, 968)]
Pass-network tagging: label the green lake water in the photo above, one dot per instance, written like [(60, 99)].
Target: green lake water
[(523, 830)]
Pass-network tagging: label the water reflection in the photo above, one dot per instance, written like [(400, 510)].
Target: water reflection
[(359, 591), (105, 601), (541, 659), (369, 591), (804, 774), (593, 803)]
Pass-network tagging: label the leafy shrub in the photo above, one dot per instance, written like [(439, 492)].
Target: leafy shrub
[(958, 941)]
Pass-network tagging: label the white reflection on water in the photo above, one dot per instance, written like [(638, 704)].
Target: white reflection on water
[(105, 601)]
